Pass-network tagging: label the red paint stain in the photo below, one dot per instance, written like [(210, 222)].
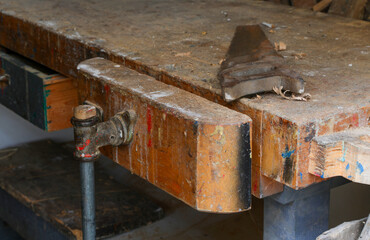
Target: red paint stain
[(84, 145), (149, 125), (107, 89), (355, 119), (255, 187)]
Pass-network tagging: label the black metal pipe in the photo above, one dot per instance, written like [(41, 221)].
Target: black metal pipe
[(90, 134), (88, 200)]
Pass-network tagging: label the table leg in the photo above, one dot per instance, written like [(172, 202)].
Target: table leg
[(298, 214)]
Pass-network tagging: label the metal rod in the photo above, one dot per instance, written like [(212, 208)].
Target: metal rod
[(88, 200)]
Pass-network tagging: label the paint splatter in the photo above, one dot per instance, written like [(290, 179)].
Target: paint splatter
[(106, 88), (287, 154), (344, 150), (255, 187), (300, 176), (149, 125), (84, 145), (347, 167), (359, 167)]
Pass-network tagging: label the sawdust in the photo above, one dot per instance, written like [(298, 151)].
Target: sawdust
[(280, 46), (290, 96), (185, 54), (299, 55)]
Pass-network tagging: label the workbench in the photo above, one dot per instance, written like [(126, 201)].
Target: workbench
[(181, 44)]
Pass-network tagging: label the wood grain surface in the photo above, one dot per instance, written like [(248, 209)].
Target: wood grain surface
[(181, 43), (194, 149)]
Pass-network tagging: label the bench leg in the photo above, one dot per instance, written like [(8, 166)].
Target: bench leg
[(298, 214)]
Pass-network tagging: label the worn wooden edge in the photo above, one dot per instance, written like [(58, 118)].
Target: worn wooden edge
[(343, 154), (212, 169)]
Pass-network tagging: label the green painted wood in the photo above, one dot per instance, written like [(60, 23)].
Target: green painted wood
[(25, 94)]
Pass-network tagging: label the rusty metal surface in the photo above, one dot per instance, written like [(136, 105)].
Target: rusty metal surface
[(252, 65), (90, 134)]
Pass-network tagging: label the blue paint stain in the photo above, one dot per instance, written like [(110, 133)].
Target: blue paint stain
[(287, 154), (322, 175), (344, 150), (349, 176), (347, 167), (300, 175), (359, 167)]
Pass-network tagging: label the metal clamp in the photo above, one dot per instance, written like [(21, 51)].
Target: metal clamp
[(91, 134)]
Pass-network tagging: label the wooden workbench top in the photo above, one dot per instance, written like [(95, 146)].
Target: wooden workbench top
[(182, 43)]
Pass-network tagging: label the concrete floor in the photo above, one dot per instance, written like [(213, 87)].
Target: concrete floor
[(348, 202)]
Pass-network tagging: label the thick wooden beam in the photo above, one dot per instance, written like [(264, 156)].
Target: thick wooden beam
[(194, 149), (345, 154)]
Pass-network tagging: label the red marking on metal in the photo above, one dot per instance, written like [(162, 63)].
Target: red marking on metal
[(84, 145), (88, 155), (149, 125)]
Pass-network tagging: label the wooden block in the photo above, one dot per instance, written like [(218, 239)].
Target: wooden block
[(345, 154), (348, 8), (196, 150), (321, 5), (37, 94)]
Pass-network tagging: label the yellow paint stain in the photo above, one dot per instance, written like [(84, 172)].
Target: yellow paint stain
[(160, 136), (220, 131)]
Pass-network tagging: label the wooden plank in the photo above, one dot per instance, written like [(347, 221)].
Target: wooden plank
[(321, 5), (345, 154), (156, 47), (348, 8), (196, 150), (44, 177), (61, 96)]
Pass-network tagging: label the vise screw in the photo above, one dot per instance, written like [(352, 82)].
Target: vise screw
[(91, 133)]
